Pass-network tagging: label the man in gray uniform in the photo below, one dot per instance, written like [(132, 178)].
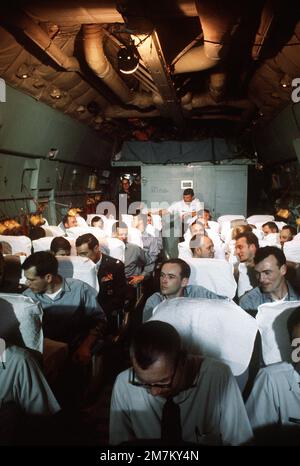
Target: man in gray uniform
[(174, 277)]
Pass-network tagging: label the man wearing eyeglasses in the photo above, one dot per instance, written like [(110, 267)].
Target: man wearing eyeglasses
[(170, 397)]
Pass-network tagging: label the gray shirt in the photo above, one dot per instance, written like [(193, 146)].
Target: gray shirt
[(212, 411), (254, 298), (135, 260), (72, 314), (22, 381), (190, 291)]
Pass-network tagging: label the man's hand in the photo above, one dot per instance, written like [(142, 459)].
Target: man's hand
[(136, 279), (107, 278), (82, 355)]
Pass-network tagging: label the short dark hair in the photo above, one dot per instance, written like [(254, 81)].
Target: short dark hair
[(87, 238), (271, 225), (185, 269), (59, 242), (292, 229), (293, 320), (188, 192), (36, 233), (120, 225), (96, 219), (153, 339), (197, 222), (44, 262), (263, 253), (250, 237)]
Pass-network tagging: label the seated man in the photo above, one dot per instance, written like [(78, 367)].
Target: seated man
[(135, 257), (22, 382), (97, 222), (204, 216), (246, 245), (68, 221), (60, 246), (151, 243), (206, 404), (72, 313), (274, 403), (269, 227), (174, 277), (202, 247), (110, 271), (287, 233), (270, 267)]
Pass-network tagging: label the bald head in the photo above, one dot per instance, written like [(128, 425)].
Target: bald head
[(202, 247)]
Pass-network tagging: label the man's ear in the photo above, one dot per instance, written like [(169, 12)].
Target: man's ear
[(49, 277), (283, 269), (198, 252), (184, 282)]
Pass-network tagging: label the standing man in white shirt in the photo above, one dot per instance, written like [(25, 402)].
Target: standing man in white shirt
[(188, 205)]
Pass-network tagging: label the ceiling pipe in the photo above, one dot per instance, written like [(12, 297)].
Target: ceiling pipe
[(115, 111), (93, 45), (89, 11), (218, 21), (266, 20), (191, 101), (41, 38), (97, 61)]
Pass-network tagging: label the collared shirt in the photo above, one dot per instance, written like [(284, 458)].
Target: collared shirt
[(74, 312), (254, 298), (182, 207), (23, 382), (212, 411), (98, 264), (190, 291), (275, 397), (135, 260), (151, 246)]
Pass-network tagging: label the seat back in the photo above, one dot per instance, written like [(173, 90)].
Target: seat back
[(254, 219), (128, 219), (156, 222), (272, 239), (272, 323), (81, 222), (229, 218), (17, 244), (214, 274), (116, 248), (135, 237), (21, 321), (214, 328), (78, 267), (74, 232), (43, 244), (291, 250), (53, 230)]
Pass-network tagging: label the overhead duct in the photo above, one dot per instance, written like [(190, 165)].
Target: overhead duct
[(88, 12), (93, 36), (41, 38), (190, 102), (94, 53), (218, 20)]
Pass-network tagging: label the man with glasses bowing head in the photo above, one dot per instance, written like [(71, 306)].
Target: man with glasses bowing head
[(170, 397)]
